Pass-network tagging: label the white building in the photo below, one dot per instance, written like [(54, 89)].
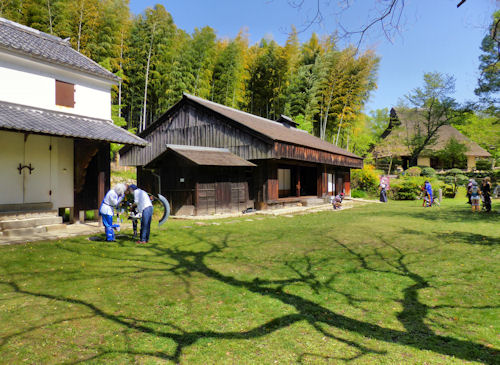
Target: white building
[(55, 124)]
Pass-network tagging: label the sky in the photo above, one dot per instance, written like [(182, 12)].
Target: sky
[(432, 35)]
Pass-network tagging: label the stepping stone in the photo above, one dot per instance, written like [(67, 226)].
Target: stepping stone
[(187, 227), (249, 220), (215, 224), (200, 223)]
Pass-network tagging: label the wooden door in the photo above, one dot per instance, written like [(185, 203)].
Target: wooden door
[(37, 156), (11, 156)]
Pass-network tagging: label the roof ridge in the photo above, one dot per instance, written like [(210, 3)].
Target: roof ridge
[(36, 32), (233, 109)]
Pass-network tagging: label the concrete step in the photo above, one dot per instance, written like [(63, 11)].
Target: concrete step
[(28, 232), (24, 231), (25, 207), (56, 227), (312, 201), (10, 216), (30, 222)]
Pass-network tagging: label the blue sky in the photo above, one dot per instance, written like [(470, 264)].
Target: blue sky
[(434, 35)]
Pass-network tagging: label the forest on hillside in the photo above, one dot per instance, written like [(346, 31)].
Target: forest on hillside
[(321, 86)]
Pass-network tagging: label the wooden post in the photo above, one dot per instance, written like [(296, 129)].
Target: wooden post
[(100, 192), (297, 187)]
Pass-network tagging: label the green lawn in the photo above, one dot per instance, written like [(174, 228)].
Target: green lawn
[(379, 284)]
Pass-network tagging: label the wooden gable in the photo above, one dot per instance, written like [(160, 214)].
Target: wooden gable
[(194, 125)]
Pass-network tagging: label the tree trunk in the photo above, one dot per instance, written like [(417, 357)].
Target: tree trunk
[(146, 78), (120, 83), (80, 22), (50, 16)]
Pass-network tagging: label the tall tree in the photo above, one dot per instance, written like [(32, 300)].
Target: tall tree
[(433, 107), (489, 79), (267, 81), (228, 73)]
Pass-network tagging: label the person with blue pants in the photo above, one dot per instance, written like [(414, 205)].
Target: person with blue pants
[(107, 209), (145, 208)]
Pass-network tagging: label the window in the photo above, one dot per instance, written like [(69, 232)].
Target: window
[(65, 94), (331, 183), (284, 182)]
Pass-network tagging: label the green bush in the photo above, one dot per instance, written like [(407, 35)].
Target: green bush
[(413, 171), (365, 179), (453, 172), (410, 187), (483, 164), (428, 171), (448, 191), (462, 180), (356, 193)]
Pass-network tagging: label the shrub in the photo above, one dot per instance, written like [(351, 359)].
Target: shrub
[(356, 193), (410, 187), (449, 191), (413, 171), (483, 164), (453, 172), (365, 179), (428, 171)]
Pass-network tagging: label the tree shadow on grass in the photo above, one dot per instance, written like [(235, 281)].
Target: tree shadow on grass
[(184, 263), (457, 237), (446, 214)]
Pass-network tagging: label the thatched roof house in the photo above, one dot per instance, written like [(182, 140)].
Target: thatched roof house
[(406, 122)]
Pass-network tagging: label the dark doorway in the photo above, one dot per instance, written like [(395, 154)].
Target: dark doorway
[(308, 181)]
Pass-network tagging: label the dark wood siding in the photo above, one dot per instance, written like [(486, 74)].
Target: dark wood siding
[(197, 127), (288, 151)]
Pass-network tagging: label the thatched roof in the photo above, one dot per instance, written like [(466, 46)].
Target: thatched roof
[(405, 122)]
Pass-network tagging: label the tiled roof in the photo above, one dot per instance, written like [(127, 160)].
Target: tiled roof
[(207, 156), (41, 121), (30, 42), (271, 129)]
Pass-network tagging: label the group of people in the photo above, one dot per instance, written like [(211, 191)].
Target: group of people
[(476, 193), (141, 205)]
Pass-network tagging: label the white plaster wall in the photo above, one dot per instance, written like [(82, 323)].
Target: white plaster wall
[(32, 83), (471, 163), (53, 170), (423, 161), (11, 190)]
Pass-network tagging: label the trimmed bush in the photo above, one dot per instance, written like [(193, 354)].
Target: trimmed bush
[(428, 171), (448, 191), (410, 187), (356, 193), (483, 164), (413, 171)]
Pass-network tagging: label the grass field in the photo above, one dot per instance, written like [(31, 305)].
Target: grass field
[(377, 284)]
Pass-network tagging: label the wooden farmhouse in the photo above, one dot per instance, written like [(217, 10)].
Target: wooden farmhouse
[(55, 129), (405, 123), (208, 158)]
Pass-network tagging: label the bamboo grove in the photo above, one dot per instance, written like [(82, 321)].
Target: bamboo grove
[(321, 86)]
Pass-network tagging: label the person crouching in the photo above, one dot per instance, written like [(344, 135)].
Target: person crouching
[(107, 209), (145, 208)]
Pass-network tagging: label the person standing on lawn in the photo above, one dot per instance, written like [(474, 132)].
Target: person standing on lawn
[(383, 192), (107, 208), (145, 208), (428, 198), (475, 197), (486, 191)]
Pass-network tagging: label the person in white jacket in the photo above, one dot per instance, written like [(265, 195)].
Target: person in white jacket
[(108, 205)]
